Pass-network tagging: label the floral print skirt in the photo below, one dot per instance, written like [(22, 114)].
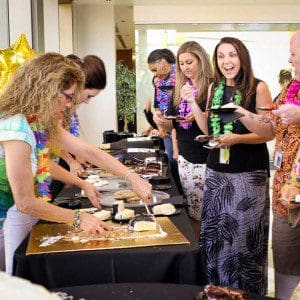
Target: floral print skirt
[(192, 181), (234, 229)]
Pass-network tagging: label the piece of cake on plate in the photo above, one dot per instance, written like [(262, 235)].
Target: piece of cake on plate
[(125, 214), (103, 214), (164, 209), (142, 223)]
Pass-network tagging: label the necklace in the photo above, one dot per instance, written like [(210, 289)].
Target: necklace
[(164, 89), (42, 173), (292, 93), (74, 128), (184, 109), (215, 120)]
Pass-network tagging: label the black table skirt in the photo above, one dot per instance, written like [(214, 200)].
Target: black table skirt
[(171, 264), (140, 291)]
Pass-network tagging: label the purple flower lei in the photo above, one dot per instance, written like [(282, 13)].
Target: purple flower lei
[(184, 109), (292, 91), (74, 128), (163, 97)]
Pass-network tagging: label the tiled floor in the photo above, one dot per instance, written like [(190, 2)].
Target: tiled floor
[(271, 285)]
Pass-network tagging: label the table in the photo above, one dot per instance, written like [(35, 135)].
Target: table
[(171, 264), (141, 291)]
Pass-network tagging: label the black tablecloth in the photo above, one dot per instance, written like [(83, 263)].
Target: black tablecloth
[(173, 264), (134, 291)]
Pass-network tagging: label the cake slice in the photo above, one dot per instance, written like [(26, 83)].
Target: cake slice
[(164, 209), (142, 223), (102, 214), (125, 214)]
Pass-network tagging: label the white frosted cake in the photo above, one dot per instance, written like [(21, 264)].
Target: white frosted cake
[(164, 209), (118, 206), (125, 214), (142, 223), (103, 214)]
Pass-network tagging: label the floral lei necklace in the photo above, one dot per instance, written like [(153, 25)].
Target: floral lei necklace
[(163, 96), (184, 109), (292, 93), (42, 173), (215, 120), (74, 128)]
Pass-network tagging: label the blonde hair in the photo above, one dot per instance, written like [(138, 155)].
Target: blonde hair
[(36, 86), (204, 76)]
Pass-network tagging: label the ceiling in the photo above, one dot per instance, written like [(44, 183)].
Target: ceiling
[(124, 13)]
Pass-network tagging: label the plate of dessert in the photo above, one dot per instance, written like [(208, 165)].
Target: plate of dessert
[(177, 118), (166, 209), (212, 144), (131, 199), (202, 138), (220, 293), (227, 108)]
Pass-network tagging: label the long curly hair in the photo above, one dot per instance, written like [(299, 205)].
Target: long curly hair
[(204, 76), (36, 86)]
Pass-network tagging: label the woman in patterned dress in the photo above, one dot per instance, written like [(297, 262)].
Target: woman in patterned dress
[(194, 69), (234, 223), (285, 125)]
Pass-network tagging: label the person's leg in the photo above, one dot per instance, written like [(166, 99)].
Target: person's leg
[(285, 285), (16, 227)]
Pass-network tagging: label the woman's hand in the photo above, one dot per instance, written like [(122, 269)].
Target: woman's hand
[(91, 224), (76, 168), (140, 186), (92, 193), (288, 194), (158, 118), (288, 113), (228, 139), (187, 93), (190, 117)]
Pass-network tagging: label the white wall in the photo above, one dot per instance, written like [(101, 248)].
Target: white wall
[(19, 20), (4, 32), (51, 29), (216, 13), (65, 29), (94, 33)]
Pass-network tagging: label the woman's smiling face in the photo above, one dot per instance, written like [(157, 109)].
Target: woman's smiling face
[(228, 62)]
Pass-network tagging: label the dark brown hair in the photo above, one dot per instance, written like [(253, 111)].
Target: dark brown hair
[(94, 70), (244, 80), (158, 54)]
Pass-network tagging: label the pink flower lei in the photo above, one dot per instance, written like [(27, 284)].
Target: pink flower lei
[(291, 96), (184, 108)]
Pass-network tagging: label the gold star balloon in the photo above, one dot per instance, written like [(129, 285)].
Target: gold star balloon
[(14, 56)]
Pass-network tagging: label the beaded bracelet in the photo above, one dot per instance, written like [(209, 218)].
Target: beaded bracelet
[(128, 173), (77, 219)]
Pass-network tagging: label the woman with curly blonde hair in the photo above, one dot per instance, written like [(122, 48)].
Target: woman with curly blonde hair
[(30, 106)]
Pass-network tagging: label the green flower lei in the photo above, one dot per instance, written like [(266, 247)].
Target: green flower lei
[(215, 120)]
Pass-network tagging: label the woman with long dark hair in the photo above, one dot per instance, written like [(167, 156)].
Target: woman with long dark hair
[(234, 223)]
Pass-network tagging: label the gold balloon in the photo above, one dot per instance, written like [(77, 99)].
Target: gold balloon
[(14, 56)]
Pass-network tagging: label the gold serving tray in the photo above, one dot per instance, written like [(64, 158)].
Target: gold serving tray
[(145, 239)]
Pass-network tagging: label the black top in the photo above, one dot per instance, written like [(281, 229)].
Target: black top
[(191, 150), (243, 157)]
